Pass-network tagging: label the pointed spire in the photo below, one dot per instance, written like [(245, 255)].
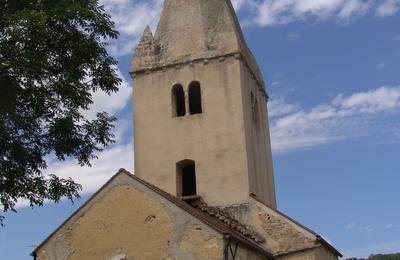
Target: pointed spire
[(146, 41), (145, 51), (147, 35), (194, 29), (198, 29)]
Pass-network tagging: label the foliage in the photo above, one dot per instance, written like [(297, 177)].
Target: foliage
[(385, 257), (52, 59)]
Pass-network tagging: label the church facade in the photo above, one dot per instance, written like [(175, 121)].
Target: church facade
[(204, 184)]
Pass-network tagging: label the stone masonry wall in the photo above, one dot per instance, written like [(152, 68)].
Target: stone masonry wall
[(129, 223)]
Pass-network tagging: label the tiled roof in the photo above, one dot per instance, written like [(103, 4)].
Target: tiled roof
[(222, 215)]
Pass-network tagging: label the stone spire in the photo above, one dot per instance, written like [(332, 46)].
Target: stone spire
[(198, 29), (145, 51), (190, 30), (147, 35)]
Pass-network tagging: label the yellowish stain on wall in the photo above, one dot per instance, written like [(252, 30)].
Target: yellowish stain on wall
[(125, 221), (197, 243)]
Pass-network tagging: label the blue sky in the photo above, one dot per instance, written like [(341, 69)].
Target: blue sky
[(332, 69)]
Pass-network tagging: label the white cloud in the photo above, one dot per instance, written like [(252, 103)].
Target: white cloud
[(373, 101), (275, 12), (354, 116), (239, 4), (279, 107), (353, 7), (131, 17), (388, 8), (110, 103), (91, 178)]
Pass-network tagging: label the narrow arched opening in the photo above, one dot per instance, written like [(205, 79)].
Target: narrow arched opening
[(186, 178), (195, 106), (178, 101)]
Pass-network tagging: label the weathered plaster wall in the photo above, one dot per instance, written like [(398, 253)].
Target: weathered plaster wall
[(281, 234), (318, 253), (224, 141), (244, 253), (199, 245), (136, 225), (258, 144), (303, 255), (127, 219), (215, 139), (324, 253)]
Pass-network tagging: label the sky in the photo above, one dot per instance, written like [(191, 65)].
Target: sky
[(332, 70)]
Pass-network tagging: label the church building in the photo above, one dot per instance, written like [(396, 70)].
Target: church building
[(203, 186)]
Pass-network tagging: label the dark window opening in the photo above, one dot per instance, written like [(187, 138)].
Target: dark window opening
[(178, 101), (188, 180), (195, 98), (186, 171)]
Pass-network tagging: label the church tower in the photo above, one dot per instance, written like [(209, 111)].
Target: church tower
[(200, 107), (203, 186)]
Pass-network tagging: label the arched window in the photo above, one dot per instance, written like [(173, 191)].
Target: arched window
[(186, 178), (178, 101), (195, 98)]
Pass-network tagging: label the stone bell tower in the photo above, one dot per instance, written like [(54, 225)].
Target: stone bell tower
[(200, 107)]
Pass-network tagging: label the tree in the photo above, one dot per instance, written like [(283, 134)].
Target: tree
[(385, 257), (53, 58)]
